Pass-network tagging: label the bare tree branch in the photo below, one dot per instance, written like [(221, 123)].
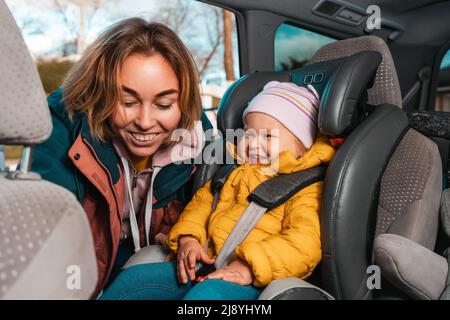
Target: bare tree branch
[(228, 46), (63, 14), (215, 43)]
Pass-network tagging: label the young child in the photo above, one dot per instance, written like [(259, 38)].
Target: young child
[(280, 127)]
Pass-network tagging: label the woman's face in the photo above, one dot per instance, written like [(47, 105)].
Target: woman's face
[(148, 111)]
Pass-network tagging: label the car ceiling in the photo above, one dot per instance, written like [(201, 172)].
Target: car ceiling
[(423, 21)]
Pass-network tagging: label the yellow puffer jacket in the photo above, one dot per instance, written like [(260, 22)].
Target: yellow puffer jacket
[(285, 242)]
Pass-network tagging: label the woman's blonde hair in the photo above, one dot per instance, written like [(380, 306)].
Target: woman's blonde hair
[(92, 87)]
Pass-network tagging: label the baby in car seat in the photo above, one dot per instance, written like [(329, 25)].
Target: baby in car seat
[(286, 241), (280, 125)]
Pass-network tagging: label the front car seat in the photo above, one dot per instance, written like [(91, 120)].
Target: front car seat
[(46, 247)]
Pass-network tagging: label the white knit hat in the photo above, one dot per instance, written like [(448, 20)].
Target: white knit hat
[(295, 107)]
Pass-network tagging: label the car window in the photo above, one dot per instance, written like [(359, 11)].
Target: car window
[(443, 87), (57, 33), (295, 46)]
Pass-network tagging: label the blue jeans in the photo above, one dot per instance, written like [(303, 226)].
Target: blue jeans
[(158, 281)]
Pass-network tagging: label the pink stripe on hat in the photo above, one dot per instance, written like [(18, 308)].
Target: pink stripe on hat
[(314, 102), (294, 104), (295, 107)]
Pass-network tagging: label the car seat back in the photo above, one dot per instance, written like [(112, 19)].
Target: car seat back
[(46, 247)]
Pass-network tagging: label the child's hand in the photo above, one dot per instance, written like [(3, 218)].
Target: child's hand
[(237, 271), (189, 253)]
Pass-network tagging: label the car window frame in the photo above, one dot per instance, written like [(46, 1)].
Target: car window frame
[(303, 27), (431, 103)]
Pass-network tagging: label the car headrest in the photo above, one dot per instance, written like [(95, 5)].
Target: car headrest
[(341, 83), (23, 106), (386, 87)]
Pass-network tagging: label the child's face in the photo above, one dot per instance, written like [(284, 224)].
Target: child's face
[(148, 112), (265, 138)]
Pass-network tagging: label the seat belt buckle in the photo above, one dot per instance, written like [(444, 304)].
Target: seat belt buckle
[(336, 142), (203, 271)]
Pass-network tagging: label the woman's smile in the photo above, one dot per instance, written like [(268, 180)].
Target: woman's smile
[(144, 138)]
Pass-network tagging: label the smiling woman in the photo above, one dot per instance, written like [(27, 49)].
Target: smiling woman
[(111, 142), (148, 111)]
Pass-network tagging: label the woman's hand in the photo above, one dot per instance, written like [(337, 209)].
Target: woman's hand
[(189, 253), (237, 271)]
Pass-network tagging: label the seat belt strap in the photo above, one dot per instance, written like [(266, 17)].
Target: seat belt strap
[(240, 231)]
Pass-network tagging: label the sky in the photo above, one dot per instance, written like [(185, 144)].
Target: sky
[(44, 28)]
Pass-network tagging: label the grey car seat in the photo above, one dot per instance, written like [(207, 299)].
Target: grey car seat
[(383, 186), (46, 248), (385, 180)]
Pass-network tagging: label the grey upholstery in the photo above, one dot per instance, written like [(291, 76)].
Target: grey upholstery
[(43, 233), (446, 294), (410, 191), (386, 88), (396, 254), (445, 218), (293, 289), (349, 205), (20, 88), (46, 247), (406, 168), (445, 211), (409, 202)]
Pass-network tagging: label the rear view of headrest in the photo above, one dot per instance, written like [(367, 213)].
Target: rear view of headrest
[(386, 87), (341, 84), (25, 117)]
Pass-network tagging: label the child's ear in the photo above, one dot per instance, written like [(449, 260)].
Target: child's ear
[(301, 149)]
